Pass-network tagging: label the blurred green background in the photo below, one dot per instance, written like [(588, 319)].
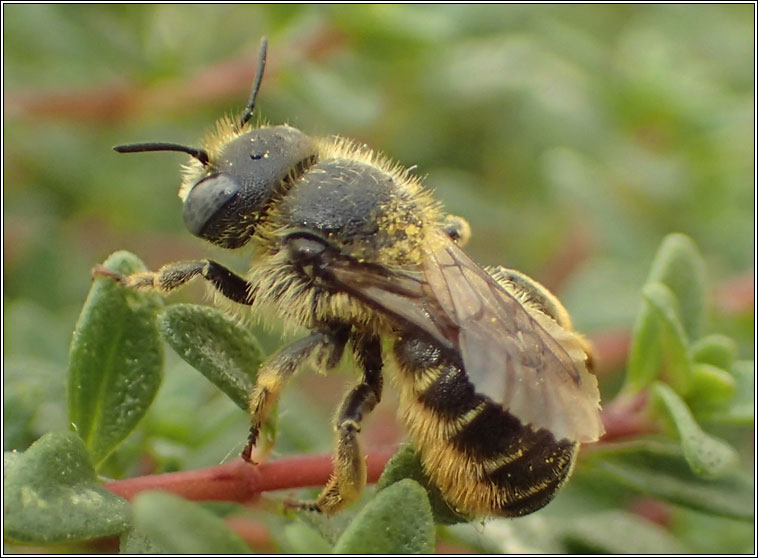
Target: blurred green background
[(573, 138)]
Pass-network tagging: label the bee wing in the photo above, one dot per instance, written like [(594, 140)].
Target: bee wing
[(402, 295), (523, 360)]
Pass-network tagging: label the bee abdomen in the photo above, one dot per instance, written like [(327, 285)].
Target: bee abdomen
[(484, 460), (524, 467)]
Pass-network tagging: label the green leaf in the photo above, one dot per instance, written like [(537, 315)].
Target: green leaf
[(32, 402), (173, 525), (397, 521), (740, 408), (679, 265), (216, 345), (710, 384), (51, 495), (673, 311), (329, 527), (717, 350), (10, 460), (304, 539), (619, 532), (405, 464), (675, 345), (646, 350), (116, 360), (709, 457), (661, 470), (532, 534), (133, 542)]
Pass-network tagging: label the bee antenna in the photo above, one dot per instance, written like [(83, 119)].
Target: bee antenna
[(248, 112), (199, 154)]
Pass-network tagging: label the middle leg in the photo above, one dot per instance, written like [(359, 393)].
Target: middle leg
[(327, 345), (349, 477)]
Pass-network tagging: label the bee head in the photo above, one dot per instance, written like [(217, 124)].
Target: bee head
[(233, 184), (236, 186)]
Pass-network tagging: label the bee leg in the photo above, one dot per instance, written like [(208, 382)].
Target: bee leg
[(536, 295), (277, 370), (174, 275), (349, 476)]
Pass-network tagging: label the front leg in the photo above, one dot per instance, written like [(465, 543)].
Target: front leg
[(349, 477), (174, 275), (327, 345)]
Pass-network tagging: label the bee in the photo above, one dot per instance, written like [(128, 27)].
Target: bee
[(495, 388)]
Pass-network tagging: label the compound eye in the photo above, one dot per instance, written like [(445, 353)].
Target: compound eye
[(206, 199)]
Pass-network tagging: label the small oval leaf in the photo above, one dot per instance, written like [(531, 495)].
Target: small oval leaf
[(116, 360), (645, 351), (740, 408), (397, 521), (673, 311), (405, 464), (675, 345), (172, 525), (214, 344), (710, 385), (51, 495), (708, 456), (133, 542), (717, 350), (304, 539), (679, 265)]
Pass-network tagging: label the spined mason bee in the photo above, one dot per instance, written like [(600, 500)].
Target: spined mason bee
[(493, 381)]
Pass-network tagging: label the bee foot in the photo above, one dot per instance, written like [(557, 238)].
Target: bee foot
[(247, 455), (302, 505)]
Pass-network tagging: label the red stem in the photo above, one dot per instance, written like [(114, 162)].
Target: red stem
[(626, 416), (239, 481)]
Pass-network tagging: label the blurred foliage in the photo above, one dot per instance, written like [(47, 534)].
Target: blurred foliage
[(573, 138)]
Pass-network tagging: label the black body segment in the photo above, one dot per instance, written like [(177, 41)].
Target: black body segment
[(339, 196), (450, 395), (466, 440)]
